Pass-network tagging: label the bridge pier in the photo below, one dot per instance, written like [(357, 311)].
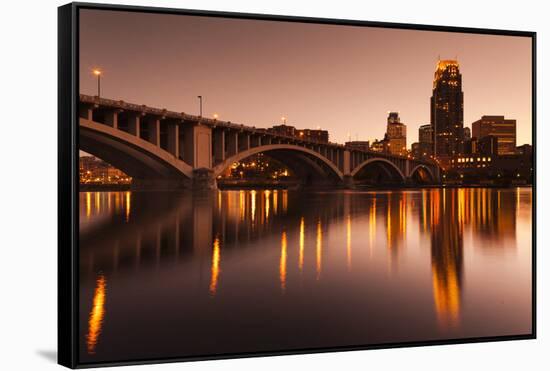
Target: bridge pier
[(173, 139), (204, 179), (197, 146), (349, 182)]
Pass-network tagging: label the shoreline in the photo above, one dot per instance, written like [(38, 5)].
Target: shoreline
[(128, 187)]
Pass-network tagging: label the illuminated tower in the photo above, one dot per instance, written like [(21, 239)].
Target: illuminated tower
[(396, 133), (447, 110)]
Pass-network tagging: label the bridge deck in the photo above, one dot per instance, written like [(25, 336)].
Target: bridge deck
[(213, 123)]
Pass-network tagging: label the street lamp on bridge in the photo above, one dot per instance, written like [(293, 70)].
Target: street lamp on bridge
[(97, 72), (200, 105)]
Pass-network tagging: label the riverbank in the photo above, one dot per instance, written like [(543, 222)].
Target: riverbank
[(127, 187)]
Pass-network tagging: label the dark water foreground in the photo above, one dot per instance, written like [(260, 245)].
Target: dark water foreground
[(175, 274)]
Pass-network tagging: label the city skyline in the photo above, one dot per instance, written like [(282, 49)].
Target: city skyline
[(338, 78)]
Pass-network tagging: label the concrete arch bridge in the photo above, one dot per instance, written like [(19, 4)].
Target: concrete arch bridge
[(162, 149)]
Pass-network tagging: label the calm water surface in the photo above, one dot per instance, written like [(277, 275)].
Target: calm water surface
[(174, 274)]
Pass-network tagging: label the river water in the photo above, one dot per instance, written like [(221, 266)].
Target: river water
[(180, 274)]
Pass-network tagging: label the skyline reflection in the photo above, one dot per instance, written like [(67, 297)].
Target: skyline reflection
[(311, 240)]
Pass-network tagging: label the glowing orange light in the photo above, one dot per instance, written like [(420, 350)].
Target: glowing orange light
[(302, 244), (348, 241), (97, 314), (215, 267), (282, 263), (319, 248)]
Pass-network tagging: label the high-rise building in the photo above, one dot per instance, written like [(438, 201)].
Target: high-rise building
[(497, 126), (447, 109), (316, 135), (379, 145), (488, 145), (425, 140), (393, 117), (415, 150), (396, 133), (467, 133), (283, 129), (361, 145), (471, 146)]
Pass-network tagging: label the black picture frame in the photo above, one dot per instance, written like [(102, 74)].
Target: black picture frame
[(68, 147)]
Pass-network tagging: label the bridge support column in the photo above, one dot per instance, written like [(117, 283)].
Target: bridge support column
[(244, 142), (232, 143), (133, 124), (219, 145), (347, 163), (153, 127), (256, 141), (204, 179), (198, 146), (349, 182), (86, 111), (408, 168), (173, 138), (111, 118)]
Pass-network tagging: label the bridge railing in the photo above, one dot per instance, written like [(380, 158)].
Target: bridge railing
[(120, 104)]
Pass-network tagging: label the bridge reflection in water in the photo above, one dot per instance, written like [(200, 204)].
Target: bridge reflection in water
[(262, 270)]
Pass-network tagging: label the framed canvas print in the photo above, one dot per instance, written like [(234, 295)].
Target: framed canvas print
[(235, 185)]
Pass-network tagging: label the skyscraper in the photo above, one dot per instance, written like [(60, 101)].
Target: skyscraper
[(447, 110), (426, 140), (396, 133)]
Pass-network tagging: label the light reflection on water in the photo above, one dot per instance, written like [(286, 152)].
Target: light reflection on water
[(300, 270), (95, 321)]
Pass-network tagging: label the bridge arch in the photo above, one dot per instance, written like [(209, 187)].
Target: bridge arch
[(385, 162), (422, 167), (321, 165), (136, 157), (383, 169)]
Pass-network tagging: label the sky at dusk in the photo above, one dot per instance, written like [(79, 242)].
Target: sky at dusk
[(340, 78)]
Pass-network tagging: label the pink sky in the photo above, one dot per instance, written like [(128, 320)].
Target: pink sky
[(341, 78)]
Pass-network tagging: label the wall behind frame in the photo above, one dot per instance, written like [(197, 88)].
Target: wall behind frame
[(29, 153)]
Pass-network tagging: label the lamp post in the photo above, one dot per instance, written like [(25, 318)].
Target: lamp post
[(97, 72), (200, 105)]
